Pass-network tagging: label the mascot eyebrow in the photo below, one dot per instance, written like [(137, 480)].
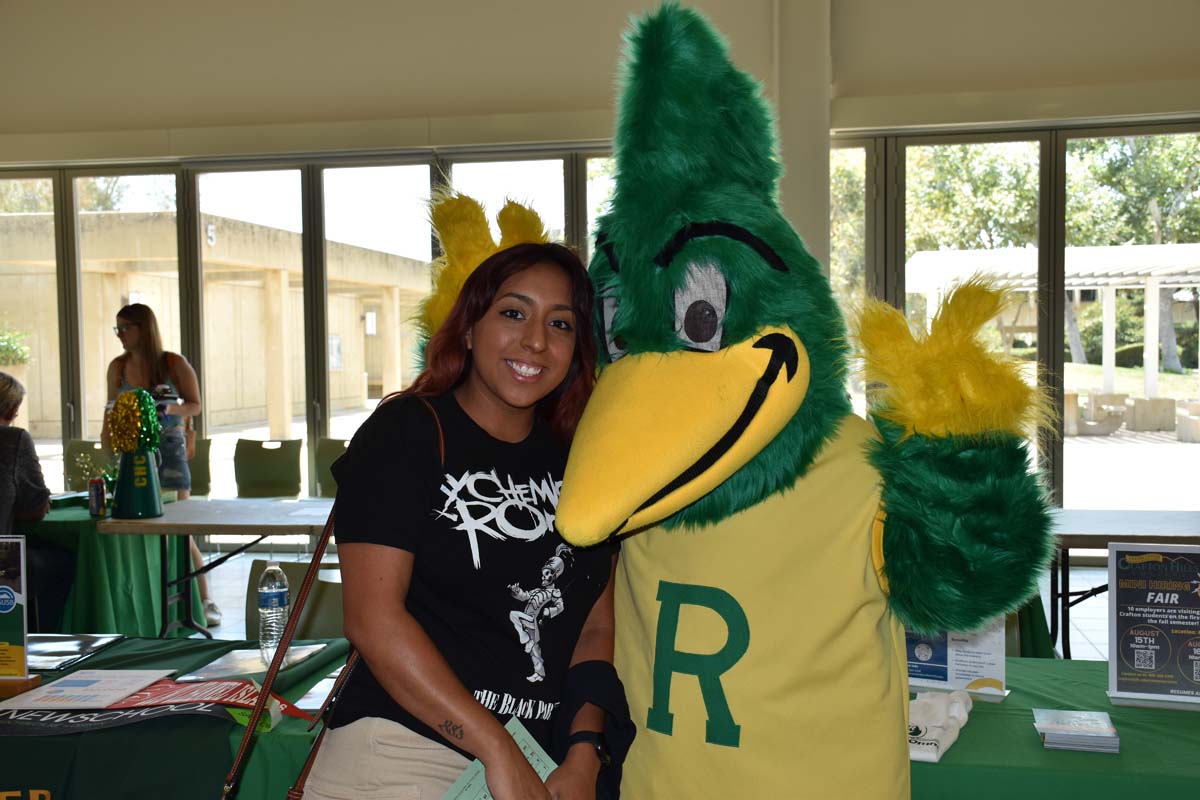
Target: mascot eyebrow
[(695, 230), (604, 244)]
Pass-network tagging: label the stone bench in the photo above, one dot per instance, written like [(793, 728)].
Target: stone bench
[(1150, 414), (1074, 424), (1187, 423)]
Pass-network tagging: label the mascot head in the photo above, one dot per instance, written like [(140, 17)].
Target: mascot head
[(725, 349)]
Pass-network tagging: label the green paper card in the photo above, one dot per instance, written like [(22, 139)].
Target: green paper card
[(472, 785)]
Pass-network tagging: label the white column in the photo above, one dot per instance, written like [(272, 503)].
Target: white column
[(800, 88), (277, 350), (389, 337), (1150, 353), (1109, 318)]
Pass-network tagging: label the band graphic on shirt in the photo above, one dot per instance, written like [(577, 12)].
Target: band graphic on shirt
[(480, 502), (544, 601)]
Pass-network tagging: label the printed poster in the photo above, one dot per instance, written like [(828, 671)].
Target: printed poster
[(949, 660), (13, 624), (1154, 625)]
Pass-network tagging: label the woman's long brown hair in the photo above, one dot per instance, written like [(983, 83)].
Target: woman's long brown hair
[(150, 342), (448, 361)]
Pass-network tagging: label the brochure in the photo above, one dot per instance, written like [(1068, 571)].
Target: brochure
[(55, 651), (1154, 625), (13, 623), (240, 693), (949, 661), (1076, 730), (247, 663), (87, 689), (472, 785)]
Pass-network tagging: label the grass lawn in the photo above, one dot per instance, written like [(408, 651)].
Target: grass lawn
[(1131, 381)]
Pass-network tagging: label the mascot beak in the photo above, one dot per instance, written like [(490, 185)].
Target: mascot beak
[(664, 429)]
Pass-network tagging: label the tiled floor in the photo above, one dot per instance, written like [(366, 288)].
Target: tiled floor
[(1089, 619), (227, 585)]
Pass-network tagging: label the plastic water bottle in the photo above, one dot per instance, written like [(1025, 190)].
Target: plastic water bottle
[(272, 609)]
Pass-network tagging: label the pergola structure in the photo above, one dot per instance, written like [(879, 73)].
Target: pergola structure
[(1105, 269)]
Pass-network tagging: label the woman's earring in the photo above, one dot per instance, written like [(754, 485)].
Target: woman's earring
[(467, 339)]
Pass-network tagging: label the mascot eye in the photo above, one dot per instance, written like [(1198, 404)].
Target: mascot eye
[(700, 307), (615, 344)]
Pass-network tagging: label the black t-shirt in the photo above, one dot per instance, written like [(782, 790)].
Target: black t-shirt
[(493, 585)]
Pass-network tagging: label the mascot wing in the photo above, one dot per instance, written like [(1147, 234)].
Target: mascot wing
[(967, 528)]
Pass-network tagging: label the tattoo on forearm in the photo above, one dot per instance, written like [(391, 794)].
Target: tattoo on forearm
[(452, 729)]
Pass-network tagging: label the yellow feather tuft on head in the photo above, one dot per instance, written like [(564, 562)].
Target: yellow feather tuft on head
[(462, 228), (519, 224), (945, 382)]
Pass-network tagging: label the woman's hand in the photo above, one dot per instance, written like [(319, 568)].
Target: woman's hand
[(510, 777), (576, 778)]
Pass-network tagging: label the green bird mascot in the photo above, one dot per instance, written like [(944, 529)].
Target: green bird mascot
[(776, 543)]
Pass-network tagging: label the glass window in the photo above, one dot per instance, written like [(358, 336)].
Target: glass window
[(972, 209), (601, 181), (535, 183), (128, 252), (254, 352), (848, 245), (29, 315), (1131, 415), (377, 252)]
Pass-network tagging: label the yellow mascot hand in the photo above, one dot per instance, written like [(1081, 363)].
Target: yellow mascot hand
[(945, 382)]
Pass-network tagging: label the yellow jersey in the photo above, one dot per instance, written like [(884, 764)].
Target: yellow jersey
[(759, 655)]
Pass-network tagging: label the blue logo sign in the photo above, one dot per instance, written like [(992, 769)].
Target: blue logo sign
[(8, 600)]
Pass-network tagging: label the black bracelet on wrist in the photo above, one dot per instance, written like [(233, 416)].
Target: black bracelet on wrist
[(596, 741)]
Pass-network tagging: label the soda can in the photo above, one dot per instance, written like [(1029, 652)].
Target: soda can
[(96, 497)]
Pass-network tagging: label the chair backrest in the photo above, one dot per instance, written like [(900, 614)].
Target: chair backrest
[(77, 476), (328, 451), (199, 467), (321, 617), (267, 469)]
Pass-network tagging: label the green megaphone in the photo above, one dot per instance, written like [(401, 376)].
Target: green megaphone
[(137, 494)]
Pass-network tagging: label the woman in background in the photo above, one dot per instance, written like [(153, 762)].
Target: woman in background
[(23, 493), (24, 497), (172, 381)]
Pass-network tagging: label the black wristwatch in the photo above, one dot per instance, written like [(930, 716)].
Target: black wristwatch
[(596, 740)]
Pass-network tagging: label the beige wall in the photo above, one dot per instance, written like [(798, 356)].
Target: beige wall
[(168, 79), (947, 62), (414, 73)]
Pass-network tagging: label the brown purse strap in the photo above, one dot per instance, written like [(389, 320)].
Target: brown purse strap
[(264, 694), (297, 791)]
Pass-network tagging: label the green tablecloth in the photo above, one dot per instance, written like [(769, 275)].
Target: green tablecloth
[(117, 578), (181, 758), (999, 756)]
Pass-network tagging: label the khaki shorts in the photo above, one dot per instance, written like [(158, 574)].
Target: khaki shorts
[(377, 759)]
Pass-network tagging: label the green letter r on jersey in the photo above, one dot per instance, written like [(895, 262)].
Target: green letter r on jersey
[(708, 668)]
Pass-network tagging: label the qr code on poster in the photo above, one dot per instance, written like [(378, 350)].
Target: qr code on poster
[(1196, 671), (1143, 659)]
